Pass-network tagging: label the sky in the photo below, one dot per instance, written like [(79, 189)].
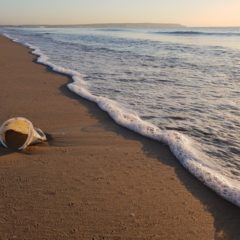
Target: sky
[(186, 12)]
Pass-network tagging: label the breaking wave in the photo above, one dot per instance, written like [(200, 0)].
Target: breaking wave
[(198, 33)]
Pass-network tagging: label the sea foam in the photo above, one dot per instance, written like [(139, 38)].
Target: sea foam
[(180, 145)]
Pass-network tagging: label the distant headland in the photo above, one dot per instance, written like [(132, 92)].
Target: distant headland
[(107, 25)]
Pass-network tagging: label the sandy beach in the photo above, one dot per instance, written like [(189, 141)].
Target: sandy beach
[(93, 179)]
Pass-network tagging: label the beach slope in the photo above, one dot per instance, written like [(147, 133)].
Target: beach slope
[(93, 179)]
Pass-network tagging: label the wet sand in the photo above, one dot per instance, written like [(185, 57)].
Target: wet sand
[(93, 179)]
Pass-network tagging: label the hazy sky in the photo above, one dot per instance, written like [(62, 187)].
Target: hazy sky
[(187, 12)]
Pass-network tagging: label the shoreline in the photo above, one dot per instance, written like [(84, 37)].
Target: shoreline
[(179, 144), (159, 198)]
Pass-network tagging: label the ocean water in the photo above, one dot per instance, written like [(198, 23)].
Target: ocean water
[(177, 86)]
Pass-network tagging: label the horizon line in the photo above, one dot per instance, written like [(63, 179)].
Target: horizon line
[(118, 23)]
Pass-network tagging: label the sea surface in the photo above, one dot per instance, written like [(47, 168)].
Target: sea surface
[(177, 86)]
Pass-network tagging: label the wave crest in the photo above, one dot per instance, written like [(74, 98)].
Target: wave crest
[(197, 33)]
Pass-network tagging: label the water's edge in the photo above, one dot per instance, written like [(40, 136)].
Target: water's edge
[(180, 145)]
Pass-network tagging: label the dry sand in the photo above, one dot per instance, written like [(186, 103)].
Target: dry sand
[(94, 179)]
